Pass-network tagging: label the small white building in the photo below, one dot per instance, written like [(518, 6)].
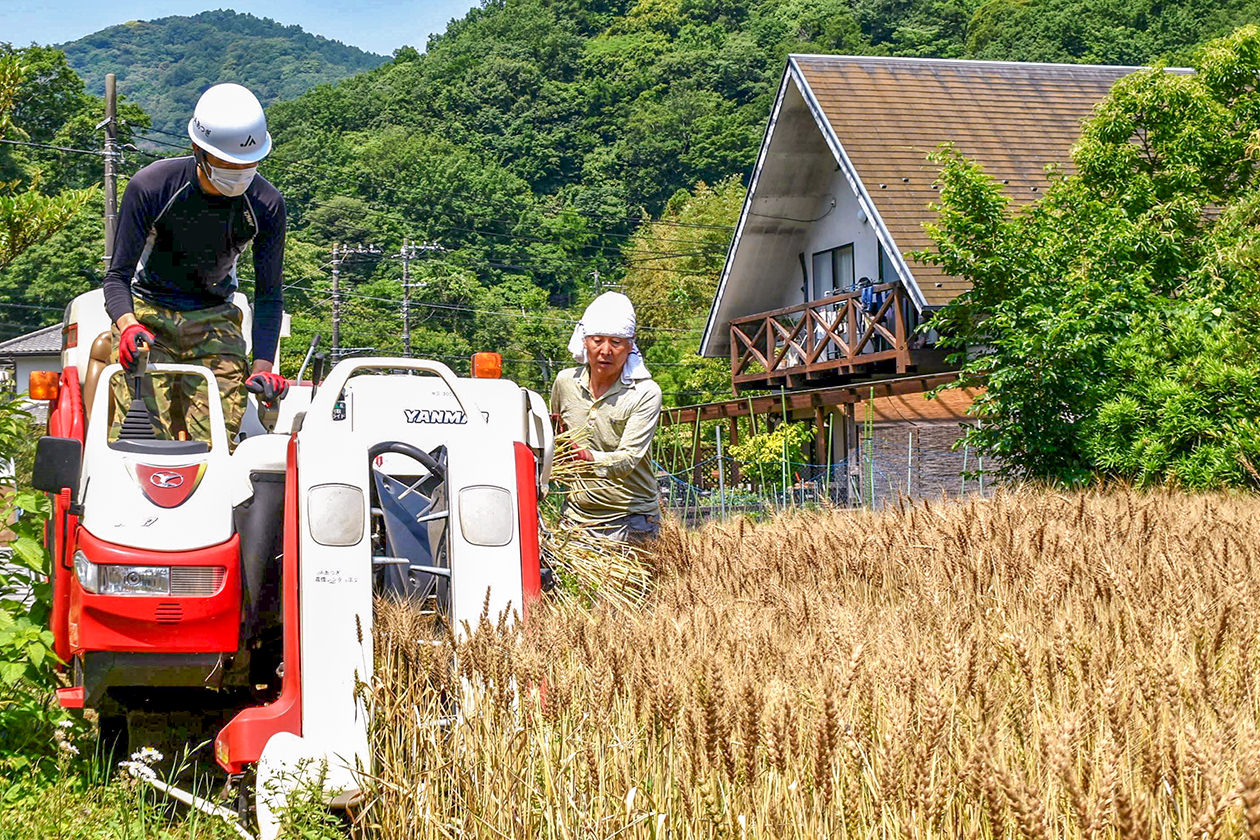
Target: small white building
[(820, 303), (38, 350)]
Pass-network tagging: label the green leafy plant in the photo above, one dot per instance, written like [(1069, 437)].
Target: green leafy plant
[(28, 720), (1113, 323), (769, 456)]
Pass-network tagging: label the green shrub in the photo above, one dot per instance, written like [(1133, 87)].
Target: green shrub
[(29, 720)]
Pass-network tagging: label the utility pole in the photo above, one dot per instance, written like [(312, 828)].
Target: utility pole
[(407, 253), (339, 254), (110, 124), (336, 302)]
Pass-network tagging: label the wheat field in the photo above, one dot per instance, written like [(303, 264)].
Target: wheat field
[(1035, 665)]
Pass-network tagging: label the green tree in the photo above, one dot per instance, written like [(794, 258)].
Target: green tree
[(1113, 322), (165, 64), (672, 270), (27, 216)]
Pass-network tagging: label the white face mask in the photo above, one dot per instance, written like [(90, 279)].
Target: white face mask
[(230, 182)]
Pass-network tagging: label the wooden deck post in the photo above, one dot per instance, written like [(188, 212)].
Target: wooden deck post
[(850, 308), (899, 330), (734, 441)]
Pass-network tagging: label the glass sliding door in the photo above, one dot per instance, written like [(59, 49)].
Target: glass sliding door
[(831, 272)]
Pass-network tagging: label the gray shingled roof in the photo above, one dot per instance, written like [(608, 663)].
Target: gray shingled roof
[(41, 342)]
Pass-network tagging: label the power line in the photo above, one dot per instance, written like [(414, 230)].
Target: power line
[(634, 219), (94, 152), (547, 264), (475, 310), (9, 305), (455, 255)]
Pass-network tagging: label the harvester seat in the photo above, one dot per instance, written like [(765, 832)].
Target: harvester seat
[(98, 359)]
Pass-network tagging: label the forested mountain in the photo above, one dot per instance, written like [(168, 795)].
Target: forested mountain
[(165, 64), (544, 149)]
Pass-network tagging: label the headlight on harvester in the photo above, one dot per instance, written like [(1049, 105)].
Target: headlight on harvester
[(85, 570), (102, 579)]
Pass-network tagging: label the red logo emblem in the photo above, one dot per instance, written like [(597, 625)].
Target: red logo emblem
[(169, 487)]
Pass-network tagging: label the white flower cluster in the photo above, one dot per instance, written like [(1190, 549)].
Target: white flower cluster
[(62, 737), (141, 763)]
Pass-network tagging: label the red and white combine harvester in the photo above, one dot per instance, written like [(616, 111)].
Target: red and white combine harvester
[(192, 578)]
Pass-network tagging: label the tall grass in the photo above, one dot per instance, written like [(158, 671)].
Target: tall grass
[(1035, 665)]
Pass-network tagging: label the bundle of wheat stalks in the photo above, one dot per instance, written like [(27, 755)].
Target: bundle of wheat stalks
[(1035, 666), (591, 567)]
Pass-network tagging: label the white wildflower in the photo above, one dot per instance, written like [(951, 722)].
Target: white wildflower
[(68, 747), (138, 769), (65, 724), (146, 755)]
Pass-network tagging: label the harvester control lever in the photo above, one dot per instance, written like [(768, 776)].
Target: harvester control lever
[(134, 340), (381, 560), (270, 387), (440, 571)]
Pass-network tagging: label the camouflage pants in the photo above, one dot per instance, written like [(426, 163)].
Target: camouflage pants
[(209, 337)]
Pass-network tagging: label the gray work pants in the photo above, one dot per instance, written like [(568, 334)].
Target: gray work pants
[(634, 528)]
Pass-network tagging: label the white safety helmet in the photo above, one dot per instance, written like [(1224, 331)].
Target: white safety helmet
[(229, 123)]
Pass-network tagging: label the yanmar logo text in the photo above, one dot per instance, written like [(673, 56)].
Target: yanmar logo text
[(439, 416)]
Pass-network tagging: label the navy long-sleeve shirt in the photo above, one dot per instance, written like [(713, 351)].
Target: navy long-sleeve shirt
[(177, 247)]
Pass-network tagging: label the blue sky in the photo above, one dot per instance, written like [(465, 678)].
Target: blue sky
[(379, 26)]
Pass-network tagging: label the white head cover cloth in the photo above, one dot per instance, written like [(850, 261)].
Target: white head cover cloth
[(611, 313)]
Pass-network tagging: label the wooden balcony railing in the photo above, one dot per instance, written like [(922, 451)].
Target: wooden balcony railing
[(834, 334)]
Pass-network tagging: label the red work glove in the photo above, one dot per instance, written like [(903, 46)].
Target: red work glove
[(270, 387), (584, 455), (130, 342)]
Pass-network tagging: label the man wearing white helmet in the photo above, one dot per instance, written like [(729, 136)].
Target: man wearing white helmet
[(182, 226), (615, 403)]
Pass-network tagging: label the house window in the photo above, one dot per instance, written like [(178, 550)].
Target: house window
[(832, 271), (887, 273)]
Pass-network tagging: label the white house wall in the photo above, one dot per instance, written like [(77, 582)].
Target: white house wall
[(24, 365), (794, 179), (843, 225)]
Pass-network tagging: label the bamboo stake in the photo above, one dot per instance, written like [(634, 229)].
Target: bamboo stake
[(870, 441), (831, 418), (963, 490), (783, 411)]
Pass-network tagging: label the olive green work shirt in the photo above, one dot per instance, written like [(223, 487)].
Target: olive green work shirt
[(620, 426)]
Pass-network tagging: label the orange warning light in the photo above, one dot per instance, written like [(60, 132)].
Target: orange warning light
[(43, 384), (487, 365)]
